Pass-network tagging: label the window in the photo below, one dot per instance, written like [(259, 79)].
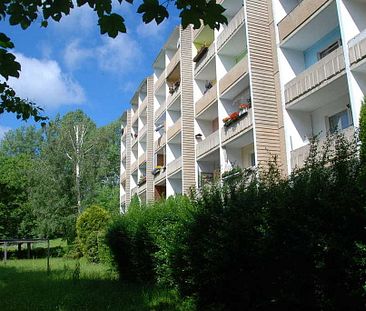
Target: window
[(339, 121), (329, 49)]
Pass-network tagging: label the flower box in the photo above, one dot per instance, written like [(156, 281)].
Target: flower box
[(142, 181)]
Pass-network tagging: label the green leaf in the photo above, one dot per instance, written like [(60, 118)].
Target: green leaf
[(5, 41), (112, 25)]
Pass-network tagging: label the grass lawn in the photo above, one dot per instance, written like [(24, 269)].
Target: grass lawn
[(25, 285)]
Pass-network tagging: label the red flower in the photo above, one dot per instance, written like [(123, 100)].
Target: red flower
[(225, 119), (244, 106), (234, 115)]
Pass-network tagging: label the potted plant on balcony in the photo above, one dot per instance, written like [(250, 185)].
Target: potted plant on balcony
[(233, 117), (157, 170), (174, 87), (243, 109)]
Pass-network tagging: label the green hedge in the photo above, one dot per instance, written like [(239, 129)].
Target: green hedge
[(259, 242)]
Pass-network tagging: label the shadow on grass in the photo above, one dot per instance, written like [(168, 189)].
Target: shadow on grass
[(35, 290)]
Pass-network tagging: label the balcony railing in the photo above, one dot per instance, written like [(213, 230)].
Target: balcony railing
[(298, 16), (239, 127), (142, 158), (299, 155), (160, 176), (208, 144), (357, 48), (142, 188), (143, 131), (172, 97), (232, 27), (134, 191), (134, 117), (174, 62), (123, 176), (160, 81), (205, 59), (174, 166), (173, 130), (206, 100), (134, 140), (123, 198), (160, 111), (160, 142), (134, 166), (143, 105), (235, 73), (315, 75), (123, 154)]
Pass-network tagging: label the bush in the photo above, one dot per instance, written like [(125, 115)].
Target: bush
[(363, 131), (141, 240), (90, 228), (273, 243)]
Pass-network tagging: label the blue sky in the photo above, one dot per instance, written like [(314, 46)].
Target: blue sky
[(70, 65)]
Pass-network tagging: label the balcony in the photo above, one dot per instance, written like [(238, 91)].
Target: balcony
[(134, 117), (142, 188), (174, 166), (172, 97), (205, 59), (241, 126), (298, 156), (235, 73), (357, 48), (230, 30), (160, 142), (123, 154), (175, 129), (317, 75), (173, 63), (206, 100), (160, 176), (134, 140), (299, 15), (134, 166), (143, 105), (123, 199), (143, 131), (142, 159), (123, 176), (160, 111), (134, 191), (159, 82), (211, 142)]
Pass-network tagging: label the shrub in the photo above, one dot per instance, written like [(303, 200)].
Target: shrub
[(363, 131), (273, 243), (90, 227), (141, 240)]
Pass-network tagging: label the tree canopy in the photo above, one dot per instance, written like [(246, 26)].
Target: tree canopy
[(25, 12)]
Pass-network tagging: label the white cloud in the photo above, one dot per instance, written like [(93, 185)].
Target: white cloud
[(3, 130), (81, 19), (120, 55), (43, 82), (75, 55), (152, 30)]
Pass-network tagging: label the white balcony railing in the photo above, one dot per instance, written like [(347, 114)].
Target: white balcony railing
[(123, 176), (134, 190), (160, 142), (160, 81), (208, 144), (143, 131), (142, 158), (174, 166), (239, 127), (143, 105), (123, 154), (142, 188), (172, 97), (205, 59), (315, 75), (134, 166), (123, 198), (230, 30), (206, 100), (299, 155), (160, 111), (173, 130), (174, 62), (234, 74), (357, 47)]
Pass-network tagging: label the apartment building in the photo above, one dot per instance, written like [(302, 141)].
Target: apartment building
[(321, 47), (279, 73)]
